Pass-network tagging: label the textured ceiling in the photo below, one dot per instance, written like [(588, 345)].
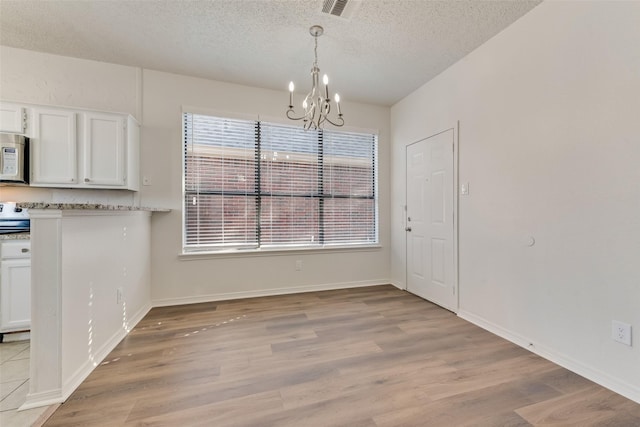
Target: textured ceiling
[(387, 49)]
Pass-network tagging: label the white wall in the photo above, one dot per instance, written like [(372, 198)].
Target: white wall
[(156, 100), (101, 252), (40, 78), (549, 143), (183, 280)]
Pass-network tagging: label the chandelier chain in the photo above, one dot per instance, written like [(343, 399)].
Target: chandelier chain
[(315, 51)]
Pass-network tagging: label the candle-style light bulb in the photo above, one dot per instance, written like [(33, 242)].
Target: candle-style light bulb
[(304, 104), (325, 80), (291, 87), (337, 98)]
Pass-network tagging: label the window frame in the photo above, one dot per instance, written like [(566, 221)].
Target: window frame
[(191, 251)]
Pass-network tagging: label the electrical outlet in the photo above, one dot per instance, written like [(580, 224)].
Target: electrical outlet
[(621, 332), (298, 265), (119, 296)]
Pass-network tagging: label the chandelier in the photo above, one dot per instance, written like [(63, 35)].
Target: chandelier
[(317, 104)]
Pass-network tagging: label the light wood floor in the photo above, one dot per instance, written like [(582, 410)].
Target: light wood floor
[(360, 357)]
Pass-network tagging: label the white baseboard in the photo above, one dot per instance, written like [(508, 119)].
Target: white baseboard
[(614, 384), (401, 287), (83, 371), (44, 398), (266, 292), (16, 336)]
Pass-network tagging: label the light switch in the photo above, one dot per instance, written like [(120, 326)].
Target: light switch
[(464, 189)]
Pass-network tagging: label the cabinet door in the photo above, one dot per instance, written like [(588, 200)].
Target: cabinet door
[(53, 147), (15, 295), (104, 149), (12, 118)]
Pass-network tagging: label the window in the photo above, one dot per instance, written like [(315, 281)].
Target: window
[(251, 184)]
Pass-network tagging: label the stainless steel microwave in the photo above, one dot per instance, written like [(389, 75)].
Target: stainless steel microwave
[(14, 158)]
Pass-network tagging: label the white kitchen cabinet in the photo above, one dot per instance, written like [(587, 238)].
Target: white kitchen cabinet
[(104, 149), (53, 147), (73, 148), (13, 118), (110, 147), (15, 286)]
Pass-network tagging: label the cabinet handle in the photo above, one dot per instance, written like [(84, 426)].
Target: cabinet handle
[(87, 180), (24, 250)]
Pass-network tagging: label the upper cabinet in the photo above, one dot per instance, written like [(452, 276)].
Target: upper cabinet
[(53, 146), (13, 118), (104, 149), (73, 148)]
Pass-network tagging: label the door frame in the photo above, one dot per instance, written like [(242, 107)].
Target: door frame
[(456, 195)]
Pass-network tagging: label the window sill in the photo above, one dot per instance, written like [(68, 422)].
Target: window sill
[(245, 253)]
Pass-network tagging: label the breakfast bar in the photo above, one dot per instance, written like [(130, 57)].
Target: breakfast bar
[(90, 285)]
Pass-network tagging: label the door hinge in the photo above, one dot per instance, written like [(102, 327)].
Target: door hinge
[(24, 121)]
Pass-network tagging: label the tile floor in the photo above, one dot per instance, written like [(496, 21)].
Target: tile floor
[(14, 385)]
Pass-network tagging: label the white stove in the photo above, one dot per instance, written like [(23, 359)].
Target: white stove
[(13, 219)]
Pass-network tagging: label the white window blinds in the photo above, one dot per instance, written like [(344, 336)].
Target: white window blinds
[(219, 182), (348, 179), (250, 184)]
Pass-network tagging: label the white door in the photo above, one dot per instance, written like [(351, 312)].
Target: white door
[(429, 230)]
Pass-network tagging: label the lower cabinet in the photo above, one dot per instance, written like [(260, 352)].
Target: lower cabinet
[(15, 286)]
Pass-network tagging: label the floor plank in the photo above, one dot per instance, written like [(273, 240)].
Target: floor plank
[(374, 356)]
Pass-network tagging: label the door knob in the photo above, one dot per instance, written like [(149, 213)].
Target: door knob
[(407, 229)]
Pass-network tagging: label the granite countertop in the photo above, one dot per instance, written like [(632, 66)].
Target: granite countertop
[(15, 236), (86, 206)]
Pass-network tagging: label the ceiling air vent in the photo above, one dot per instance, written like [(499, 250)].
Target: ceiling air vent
[(341, 8)]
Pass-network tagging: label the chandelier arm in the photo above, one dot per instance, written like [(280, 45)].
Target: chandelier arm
[(308, 124), (289, 111), (339, 124), (326, 106)]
